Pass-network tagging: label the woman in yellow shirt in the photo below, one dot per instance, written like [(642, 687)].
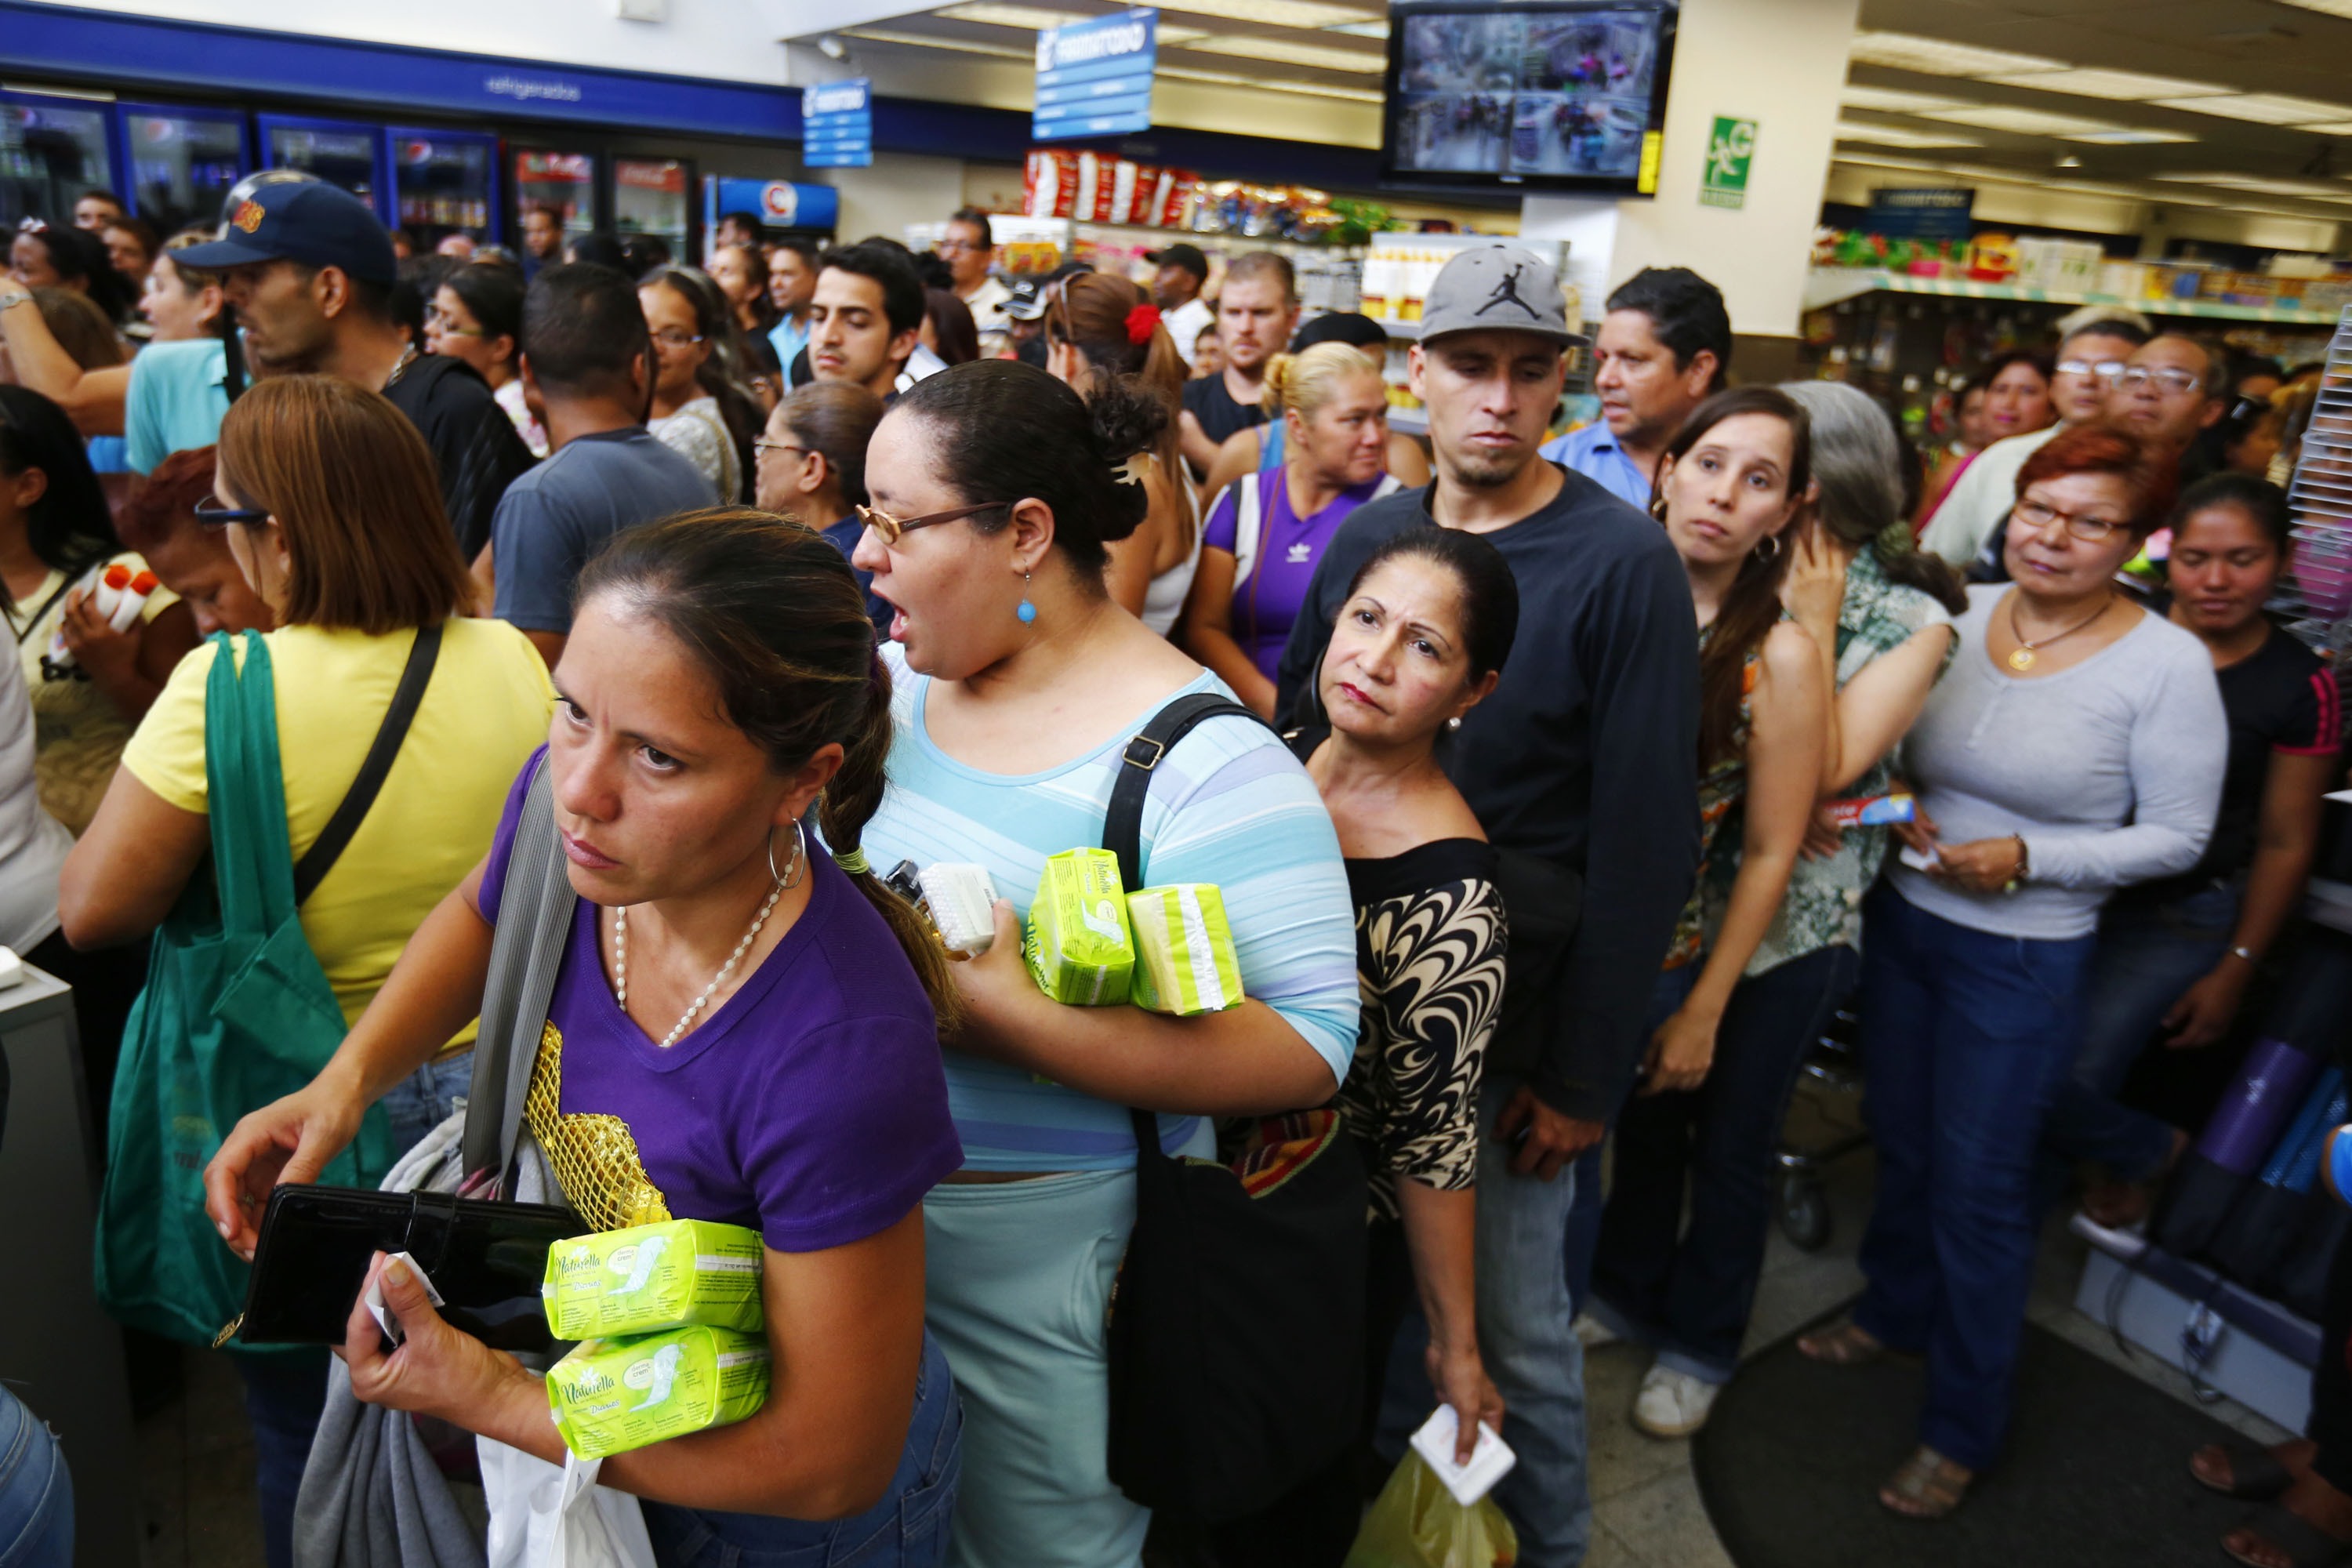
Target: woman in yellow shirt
[(335, 516)]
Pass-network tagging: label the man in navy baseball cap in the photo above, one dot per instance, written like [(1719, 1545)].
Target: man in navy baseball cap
[(311, 273)]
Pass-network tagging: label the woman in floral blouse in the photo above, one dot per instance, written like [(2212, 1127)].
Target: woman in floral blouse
[(1878, 617), (1419, 642)]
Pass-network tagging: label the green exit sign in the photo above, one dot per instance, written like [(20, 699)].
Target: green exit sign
[(1729, 151)]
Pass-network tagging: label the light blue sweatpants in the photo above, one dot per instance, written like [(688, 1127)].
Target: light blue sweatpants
[(1018, 1277)]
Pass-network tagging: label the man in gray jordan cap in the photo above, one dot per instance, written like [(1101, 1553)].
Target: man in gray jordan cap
[(1582, 767)]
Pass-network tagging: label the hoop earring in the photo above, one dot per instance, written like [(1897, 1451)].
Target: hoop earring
[(1769, 555), (1025, 611), (791, 880), (1658, 508)]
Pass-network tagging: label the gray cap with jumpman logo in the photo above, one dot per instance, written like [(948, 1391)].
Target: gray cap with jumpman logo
[(1497, 286)]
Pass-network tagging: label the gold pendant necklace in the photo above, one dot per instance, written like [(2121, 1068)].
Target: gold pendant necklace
[(2020, 658)]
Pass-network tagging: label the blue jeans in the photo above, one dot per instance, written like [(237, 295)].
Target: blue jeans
[(1966, 1039), (1667, 994), (36, 1500), (908, 1529), (426, 1098), (1522, 1331), (2149, 956), (285, 1391), (1686, 1290)]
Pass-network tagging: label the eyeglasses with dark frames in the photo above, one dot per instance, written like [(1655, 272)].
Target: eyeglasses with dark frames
[(2038, 515), (211, 513), (891, 528)]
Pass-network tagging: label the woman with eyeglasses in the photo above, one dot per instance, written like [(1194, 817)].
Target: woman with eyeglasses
[(2076, 745), (1016, 682), (476, 317), (330, 506), (812, 468), (699, 411)]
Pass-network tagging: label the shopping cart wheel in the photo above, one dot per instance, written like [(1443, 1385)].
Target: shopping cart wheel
[(1804, 1213)]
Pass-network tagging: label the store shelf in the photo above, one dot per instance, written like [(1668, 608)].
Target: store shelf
[(1831, 285)]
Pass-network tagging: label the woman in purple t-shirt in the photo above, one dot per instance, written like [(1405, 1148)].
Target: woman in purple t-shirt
[(742, 1030), (1267, 533)]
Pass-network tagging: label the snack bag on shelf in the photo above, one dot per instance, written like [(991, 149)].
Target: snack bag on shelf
[(1079, 947), (1184, 960), (609, 1397), (649, 1277), (1049, 183)]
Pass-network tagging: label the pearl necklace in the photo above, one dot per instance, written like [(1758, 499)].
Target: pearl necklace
[(621, 963)]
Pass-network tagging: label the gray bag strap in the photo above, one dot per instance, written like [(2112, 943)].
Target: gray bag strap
[(534, 928)]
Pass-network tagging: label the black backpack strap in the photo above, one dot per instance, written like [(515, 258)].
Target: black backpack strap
[(320, 859), (1123, 823)]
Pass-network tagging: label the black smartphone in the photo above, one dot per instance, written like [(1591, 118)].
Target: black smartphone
[(486, 1260)]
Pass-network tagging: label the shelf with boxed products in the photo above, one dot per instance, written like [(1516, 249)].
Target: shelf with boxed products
[(1832, 285)]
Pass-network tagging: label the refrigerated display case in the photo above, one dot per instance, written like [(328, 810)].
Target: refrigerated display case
[(650, 197), (183, 162), (52, 150), (446, 182), (566, 180), (340, 152)]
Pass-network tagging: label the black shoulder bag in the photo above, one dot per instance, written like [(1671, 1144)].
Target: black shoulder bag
[(1237, 1322)]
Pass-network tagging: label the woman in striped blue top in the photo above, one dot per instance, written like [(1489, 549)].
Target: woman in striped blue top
[(1017, 681)]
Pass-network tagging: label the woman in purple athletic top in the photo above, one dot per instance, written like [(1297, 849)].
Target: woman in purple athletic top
[(742, 1030), (1268, 529)]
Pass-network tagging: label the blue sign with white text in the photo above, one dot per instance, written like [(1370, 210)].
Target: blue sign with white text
[(1094, 77), (838, 124)]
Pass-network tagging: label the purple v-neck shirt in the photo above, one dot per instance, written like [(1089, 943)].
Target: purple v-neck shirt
[(1288, 546)]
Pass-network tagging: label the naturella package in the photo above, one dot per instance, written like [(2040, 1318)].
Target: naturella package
[(1183, 950), (1078, 946), (654, 1277), (609, 1397)]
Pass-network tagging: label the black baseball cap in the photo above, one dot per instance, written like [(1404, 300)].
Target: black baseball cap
[(1187, 256), (311, 222), (1353, 327)]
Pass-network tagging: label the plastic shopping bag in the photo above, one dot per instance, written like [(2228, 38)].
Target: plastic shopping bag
[(1416, 1523), (546, 1516)]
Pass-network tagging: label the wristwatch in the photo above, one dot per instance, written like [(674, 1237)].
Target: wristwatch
[(21, 296)]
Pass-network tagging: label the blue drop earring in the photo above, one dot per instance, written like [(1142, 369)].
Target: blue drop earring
[(1025, 610)]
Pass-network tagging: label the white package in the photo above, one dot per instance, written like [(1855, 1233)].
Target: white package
[(961, 903), (1490, 1460)]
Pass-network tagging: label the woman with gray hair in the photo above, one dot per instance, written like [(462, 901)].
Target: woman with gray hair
[(1880, 614)]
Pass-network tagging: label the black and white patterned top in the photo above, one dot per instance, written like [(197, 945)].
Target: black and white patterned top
[(1430, 939)]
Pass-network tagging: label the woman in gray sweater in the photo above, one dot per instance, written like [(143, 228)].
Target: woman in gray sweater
[(2076, 745)]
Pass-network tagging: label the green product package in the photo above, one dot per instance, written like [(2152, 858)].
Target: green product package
[(609, 1397), (1078, 946), (654, 1277), (1183, 950)]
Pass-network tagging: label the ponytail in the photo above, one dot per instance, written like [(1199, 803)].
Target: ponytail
[(773, 615)]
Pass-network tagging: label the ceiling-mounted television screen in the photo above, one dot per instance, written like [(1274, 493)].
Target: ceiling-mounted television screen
[(1531, 95)]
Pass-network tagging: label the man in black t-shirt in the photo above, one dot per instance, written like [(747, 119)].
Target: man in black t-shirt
[(1582, 766), (309, 272), (1256, 309)]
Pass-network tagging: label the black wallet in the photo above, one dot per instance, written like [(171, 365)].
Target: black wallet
[(487, 1260)]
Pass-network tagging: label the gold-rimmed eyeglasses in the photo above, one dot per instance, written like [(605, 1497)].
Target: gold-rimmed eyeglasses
[(890, 528)]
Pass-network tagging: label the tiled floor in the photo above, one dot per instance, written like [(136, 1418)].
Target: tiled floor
[(196, 1458)]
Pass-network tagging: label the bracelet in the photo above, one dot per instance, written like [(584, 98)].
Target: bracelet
[(2247, 954), (8, 299), (2017, 879)]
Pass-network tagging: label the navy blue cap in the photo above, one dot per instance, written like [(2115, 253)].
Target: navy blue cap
[(311, 222)]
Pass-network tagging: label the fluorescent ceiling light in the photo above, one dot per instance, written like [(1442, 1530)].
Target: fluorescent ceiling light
[(1888, 136), (2129, 138), (2322, 188), (1873, 161), (1036, 18), (2333, 128), (1320, 57), (1263, 84), (2327, 7), (2262, 108), (1361, 29), (1275, 12), (2129, 86), (1940, 57), (2023, 121), (1892, 100), (934, 41)]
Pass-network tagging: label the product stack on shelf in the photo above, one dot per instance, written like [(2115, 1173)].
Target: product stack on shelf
[(2318, 596)]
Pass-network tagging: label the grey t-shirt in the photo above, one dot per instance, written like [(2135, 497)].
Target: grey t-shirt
[(554, 518), (2111, 770)]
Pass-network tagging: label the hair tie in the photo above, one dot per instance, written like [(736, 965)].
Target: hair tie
[(1895, 539), (1135, 470), (1142, 322), (853, 862)]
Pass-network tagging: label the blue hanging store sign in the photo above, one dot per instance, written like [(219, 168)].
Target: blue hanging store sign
[(1094, 77)]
